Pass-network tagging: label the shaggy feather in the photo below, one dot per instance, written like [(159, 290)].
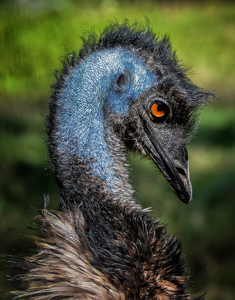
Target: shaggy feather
[(62, 267), (139, 262)]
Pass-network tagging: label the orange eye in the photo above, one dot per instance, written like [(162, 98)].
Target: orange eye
[(159, 109)]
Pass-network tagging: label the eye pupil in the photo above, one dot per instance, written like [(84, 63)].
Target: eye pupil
[(121, 80), (158, 109)]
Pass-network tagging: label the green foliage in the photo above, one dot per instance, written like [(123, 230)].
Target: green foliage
[(35, 34)]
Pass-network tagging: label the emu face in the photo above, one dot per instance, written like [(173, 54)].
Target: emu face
[(118, 96)]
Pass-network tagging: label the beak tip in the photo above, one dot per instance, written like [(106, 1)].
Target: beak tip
[(188, 202), (186, 198), (186, 191)]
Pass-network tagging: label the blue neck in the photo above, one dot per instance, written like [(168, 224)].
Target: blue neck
[(88, 90)]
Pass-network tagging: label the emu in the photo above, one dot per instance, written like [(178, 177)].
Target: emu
[(124, 90)]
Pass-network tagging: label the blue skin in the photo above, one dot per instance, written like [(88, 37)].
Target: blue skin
[(90, 86)]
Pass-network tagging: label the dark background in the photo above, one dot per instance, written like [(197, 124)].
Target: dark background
[(33, 37)]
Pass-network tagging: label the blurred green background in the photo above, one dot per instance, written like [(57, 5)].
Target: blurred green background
[(33, 37)]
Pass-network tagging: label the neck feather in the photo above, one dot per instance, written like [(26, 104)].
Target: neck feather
[(91, 164), (78, 133)]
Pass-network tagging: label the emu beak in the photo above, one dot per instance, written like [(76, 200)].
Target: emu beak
[(176, 171)]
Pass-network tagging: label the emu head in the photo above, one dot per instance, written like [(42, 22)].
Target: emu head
[(124, 90)]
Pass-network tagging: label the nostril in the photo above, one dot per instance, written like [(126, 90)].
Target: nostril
[(181, 171)]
